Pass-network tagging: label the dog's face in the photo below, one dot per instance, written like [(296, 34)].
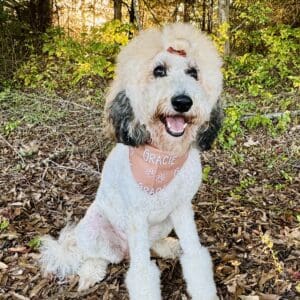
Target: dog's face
[(164, 94)]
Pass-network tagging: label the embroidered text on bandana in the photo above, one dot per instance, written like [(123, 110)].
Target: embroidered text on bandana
[(154, 169)]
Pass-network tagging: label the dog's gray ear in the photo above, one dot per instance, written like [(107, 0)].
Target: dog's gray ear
[(207, 134), (127, 129)]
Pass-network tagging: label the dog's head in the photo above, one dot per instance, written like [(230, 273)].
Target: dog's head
[(166, 90)]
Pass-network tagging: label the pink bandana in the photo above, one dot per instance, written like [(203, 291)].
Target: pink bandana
[(154, 169)]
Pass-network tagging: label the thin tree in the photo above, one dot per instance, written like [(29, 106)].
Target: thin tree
[(224, 18), (134, 16), (188, 9), (203, 25), (118, 10), (210, 16)]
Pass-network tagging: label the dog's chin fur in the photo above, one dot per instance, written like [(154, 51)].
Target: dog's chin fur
[(163, 141)]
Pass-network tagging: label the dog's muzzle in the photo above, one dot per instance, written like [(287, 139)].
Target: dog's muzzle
[(176, 123), (181, 103)]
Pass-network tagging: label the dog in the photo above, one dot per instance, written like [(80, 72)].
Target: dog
[(162, 109)]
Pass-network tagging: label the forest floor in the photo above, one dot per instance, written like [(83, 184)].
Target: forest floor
[(247, 210)]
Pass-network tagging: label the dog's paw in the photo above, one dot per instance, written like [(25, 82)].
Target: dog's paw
[(91, 272), (143, 282), (167, 248), (87, 282)]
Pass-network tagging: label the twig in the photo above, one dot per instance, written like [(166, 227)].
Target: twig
[(272, 116), (7, 143), (87, 170), (57, 99), (18, 296), (74, 103)]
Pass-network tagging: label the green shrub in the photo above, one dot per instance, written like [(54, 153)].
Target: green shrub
[(67, 62), (231, 127), (259, 121), (276, 68), (265, 56)]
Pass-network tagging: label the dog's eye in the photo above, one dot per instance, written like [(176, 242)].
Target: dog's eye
[(192, 72), (160, 71)]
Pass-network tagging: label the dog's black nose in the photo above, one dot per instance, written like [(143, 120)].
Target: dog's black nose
[(181, 103)]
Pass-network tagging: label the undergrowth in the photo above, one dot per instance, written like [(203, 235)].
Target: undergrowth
[(67, 63)]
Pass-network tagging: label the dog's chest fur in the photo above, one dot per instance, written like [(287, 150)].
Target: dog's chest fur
[(120, 201), (119, 194)]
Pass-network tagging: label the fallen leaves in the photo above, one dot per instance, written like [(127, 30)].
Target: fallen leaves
[(3, 266), (63, 162)]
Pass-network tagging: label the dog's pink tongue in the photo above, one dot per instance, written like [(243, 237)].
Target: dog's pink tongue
[(175, 124)]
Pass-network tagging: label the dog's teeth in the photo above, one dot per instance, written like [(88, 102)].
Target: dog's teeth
[(184, 125)]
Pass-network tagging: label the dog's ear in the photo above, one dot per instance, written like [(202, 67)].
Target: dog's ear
[(126, 129), (207, 134)]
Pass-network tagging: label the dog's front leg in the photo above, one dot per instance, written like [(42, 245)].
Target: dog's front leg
[(196, 261), (143, 277)]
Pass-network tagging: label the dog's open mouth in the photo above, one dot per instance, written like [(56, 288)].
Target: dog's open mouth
[(175, 125)]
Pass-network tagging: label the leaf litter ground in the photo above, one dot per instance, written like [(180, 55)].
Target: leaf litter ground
[(247, 210)]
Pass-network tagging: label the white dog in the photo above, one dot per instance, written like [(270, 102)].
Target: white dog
[(162, 106)]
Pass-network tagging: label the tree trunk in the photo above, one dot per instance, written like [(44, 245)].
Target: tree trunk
[(224, 18), (40, 13), (137, 14), (187, 10), (118, 10), (210, 16), (134, 13), (45, 14), (203, 15)]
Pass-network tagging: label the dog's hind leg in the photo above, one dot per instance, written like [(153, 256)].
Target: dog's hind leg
[(161, 244), (92, 270), (168, 247)]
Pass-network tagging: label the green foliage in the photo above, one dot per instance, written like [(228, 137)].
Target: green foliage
[(259, 121), (237, 158), (205, 173), (35, 243), (286, 176), (283, 122), (221, 36), (67, 62), (18, 36), (244, 184), (10, 126), (231, 127), (25, 109), (4, 224), (265, 55), (234, 126), (280, 125)]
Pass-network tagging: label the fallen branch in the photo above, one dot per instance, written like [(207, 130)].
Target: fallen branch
[(11, 146), (271, 116), (83, 168)]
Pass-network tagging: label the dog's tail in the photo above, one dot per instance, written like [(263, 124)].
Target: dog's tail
[(61, 257)]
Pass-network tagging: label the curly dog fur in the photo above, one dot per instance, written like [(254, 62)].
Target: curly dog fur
[(164, 99)]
